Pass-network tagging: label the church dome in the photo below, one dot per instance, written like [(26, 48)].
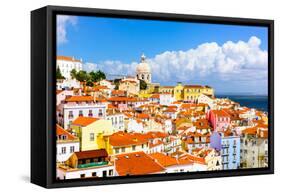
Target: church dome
[(143, 66)]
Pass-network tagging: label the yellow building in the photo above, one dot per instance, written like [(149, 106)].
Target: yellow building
[(166, 89), (178, 92), (92, 132), (192, 92), (189, 93), (130, 85), (121, 143)]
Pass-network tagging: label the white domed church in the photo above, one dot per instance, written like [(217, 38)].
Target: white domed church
[(143, 71)]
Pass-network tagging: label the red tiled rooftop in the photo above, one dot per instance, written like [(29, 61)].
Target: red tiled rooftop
[(137, 163)]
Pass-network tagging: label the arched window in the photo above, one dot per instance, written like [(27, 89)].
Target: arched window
[(142, 76)]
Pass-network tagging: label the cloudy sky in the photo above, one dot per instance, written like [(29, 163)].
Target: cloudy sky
[(232, 59)]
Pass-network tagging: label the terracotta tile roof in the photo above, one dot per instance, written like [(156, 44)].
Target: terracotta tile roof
[(101, 87), (84, 121), (187, 106), (65, 58), (137, 163), (79, 99), (185, 161), (111, 106), (220, 113), (164, 160), (120, 139), (170, 110), (122, 99), (250, 131), (201, 124), (155, 96), (61, 131), (193, 158), (91, 154), (193, 86), (156, 134), (143, 116), (118, 92)]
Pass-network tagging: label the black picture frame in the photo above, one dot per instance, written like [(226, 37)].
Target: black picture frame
[(43, 119)]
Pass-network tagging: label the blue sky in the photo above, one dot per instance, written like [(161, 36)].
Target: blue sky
[(177, 51)]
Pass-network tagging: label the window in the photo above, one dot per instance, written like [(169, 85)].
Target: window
[(218, 163), (94, 174), (92, 136), (116, 150), (123, 149), (110, 172), (71, 149), (82, 175), (63, 150), (80, 113), (70, 115), (100, 113), (90, 113), (104, 173), (133, 147)]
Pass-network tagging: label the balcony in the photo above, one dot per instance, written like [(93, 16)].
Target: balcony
[(92, 164)]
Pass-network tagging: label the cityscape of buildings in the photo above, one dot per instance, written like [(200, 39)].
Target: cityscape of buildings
[(132, 126)]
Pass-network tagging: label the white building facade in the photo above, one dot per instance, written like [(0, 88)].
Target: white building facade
[(67, 64), (70, 111), (99, 171)]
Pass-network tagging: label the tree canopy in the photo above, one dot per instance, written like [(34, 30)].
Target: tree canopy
[(58, 74), (93, 76)]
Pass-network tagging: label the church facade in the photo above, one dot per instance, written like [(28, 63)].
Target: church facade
[(143, 70)]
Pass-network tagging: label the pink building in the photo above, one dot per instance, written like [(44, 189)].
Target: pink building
[(219, 119)]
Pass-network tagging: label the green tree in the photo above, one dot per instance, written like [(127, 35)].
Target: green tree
[(100, 75), (73, 73), (90, 83), (82, 76), (97, 76), (143, 85), (58, 74), (93, 76)]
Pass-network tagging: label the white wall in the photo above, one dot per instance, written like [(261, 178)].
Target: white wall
[(88, 172), (15, 43), (62, 157)]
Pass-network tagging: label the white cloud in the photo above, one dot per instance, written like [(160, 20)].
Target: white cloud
[(210, 58), (62, 22), (244, 61), (90, 67)]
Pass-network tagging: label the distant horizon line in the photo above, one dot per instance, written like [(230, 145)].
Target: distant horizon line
[(240, 94)]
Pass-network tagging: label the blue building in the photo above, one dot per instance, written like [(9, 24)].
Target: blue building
[(229, 146), (230, 151)]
